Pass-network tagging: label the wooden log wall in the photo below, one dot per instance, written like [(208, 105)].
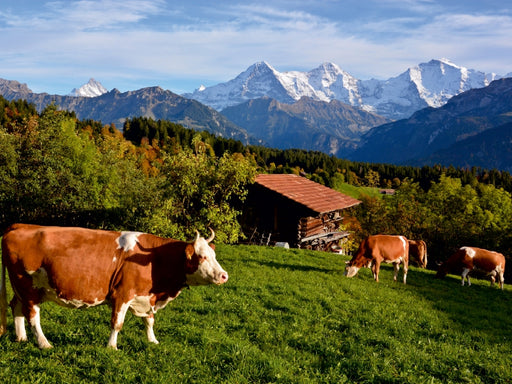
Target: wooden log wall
[(310, 226)]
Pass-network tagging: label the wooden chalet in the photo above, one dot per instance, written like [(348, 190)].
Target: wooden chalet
[(292, 209)]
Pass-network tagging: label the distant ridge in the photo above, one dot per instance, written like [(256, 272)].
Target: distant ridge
[(455, 133), (115, 107), (331, 127)]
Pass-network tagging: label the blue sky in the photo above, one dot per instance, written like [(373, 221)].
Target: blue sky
[(54, 46)]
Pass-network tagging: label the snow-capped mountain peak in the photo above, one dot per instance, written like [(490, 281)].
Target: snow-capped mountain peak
[(92, 88), (427, 84), (259, 80)]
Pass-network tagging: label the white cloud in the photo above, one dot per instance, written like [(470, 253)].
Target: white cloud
[(130, 42), (84, 14)]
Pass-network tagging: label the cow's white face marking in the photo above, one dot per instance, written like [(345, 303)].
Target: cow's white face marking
[(127, 241), (351, 271), (209, 270)]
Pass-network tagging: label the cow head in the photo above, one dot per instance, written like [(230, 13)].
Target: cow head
[(201, 264), (354, 265), (443, 270)]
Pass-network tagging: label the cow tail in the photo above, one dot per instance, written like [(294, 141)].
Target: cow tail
[(3, 304)]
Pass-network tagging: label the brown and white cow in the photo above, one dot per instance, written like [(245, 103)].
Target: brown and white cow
[(378, 249), (467, 259), (80, 268), (418, 251)]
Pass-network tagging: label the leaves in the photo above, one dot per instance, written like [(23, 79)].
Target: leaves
[(200, 191)]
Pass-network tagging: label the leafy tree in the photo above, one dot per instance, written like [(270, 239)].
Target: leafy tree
[(407, 210), (201, 191)]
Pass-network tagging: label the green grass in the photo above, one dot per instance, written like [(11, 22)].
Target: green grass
[(356, 192), (285, 316)]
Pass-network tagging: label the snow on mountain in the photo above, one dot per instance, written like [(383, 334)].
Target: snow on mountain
[(258, 80), (428, 84), (92, 89)]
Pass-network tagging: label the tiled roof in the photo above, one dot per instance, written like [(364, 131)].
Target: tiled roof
[(315, 196)]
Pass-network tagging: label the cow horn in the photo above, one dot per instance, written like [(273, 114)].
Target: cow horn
[(212, 236), (197, 236)]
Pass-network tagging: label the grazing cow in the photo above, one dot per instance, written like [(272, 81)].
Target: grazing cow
[(377, 249), (467, 259), (80, 268), (418, 251)]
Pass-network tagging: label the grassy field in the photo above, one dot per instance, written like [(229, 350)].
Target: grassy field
[(285, 316), (356, 192)]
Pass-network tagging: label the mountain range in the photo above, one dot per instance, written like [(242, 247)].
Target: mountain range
[(471, 129), (114, 107), (429, 84), (331, 127), (444, 111)]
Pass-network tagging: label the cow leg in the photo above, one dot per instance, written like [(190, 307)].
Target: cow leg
[(19, 320), (465, 275), (3, 306), (149, 321), (406, 269), (375, 270), (116, 322), (396, 267), (502, 279), (35, 324)]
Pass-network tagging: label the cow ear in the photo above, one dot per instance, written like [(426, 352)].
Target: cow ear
[(189, 251)]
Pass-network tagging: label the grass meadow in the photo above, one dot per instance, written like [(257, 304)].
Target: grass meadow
[(285, 316), (356, 192)]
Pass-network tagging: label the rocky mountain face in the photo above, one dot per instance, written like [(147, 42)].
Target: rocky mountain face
[(115, 107), (331, 127), (432, 133), (11, 89), (429, 84)]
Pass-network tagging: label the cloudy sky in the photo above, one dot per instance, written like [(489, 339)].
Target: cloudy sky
[(54, 46)]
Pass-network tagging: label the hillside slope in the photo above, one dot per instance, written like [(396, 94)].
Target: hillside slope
[(331, 127), (491, 149), (434, 129), (286, 316)]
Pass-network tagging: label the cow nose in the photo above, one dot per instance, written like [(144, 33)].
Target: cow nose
[(223, 277)]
